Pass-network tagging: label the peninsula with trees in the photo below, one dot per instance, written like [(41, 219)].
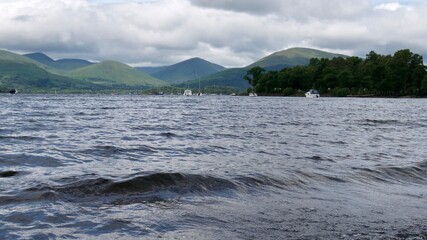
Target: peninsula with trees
[(397, 75)]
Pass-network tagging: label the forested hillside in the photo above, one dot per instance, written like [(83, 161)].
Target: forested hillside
[(401, 74)]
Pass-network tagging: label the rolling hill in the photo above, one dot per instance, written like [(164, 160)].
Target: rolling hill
[(39, 71), (62, 64), (187, 70), (287, 58), (17, 71), (291, 57), (13, 57), (115, 74)]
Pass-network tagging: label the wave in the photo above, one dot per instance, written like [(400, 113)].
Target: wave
[(22, 138), (6, 174), (169, 135), (155, 187), (28, 196), (376, 122), (392, 122), (157, 182), (29, 160), (410, 174), (135, 189), (146, 188), (108, 150)]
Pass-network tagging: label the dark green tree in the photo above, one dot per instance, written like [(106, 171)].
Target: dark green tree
[(253, 75), (403, 73)]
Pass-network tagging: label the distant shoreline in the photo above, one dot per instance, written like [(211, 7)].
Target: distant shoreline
[(209, 94)]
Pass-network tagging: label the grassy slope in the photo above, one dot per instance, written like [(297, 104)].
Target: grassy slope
[(110, 73), (12, 57), (291, 57), (29, 76), (18, 71), (70, 64)]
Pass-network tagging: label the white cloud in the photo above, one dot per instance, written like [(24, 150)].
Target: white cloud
[(228, 32), (394, 6)]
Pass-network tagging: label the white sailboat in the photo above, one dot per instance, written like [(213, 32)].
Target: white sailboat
[(199, 93)]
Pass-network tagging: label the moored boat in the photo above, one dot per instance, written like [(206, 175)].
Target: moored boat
[(188, 92), (312, 94)]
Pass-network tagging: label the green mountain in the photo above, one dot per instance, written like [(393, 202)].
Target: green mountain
[(39, 57), (232, 77), (276, 61), (12, 57), (39, 71), (63, 64), (116, 75), (151, 70), (20, 72), (187, 70), (291, 57)]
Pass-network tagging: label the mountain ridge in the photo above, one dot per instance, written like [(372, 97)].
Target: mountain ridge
[(112, 73), (290, 57), (18, 71), (66, 64), (187, 70)]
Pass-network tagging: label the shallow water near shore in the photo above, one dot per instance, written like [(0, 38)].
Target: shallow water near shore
[(212, 167)]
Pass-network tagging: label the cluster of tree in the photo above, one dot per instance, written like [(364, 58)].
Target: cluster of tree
[(402, 74)]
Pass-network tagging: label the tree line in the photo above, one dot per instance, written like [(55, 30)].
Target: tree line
[(401, 74)]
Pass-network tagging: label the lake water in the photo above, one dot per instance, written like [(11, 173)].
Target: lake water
[(212, 167)]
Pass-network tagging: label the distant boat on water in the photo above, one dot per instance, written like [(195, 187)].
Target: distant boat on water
[(312, 94), (13, 91), (188, 92), (200, 92), (253, 94)]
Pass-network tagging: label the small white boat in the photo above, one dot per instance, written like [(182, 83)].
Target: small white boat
[(312, 94), (253, 94), (188, 92)]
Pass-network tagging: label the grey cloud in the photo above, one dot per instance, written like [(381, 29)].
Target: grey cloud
[(232, 33), (251, 6), (296, 9), (23, 18)]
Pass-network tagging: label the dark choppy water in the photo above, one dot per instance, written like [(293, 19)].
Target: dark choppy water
[(131, 167)]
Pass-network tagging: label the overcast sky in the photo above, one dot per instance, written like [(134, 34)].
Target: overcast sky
[(226, 32)]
